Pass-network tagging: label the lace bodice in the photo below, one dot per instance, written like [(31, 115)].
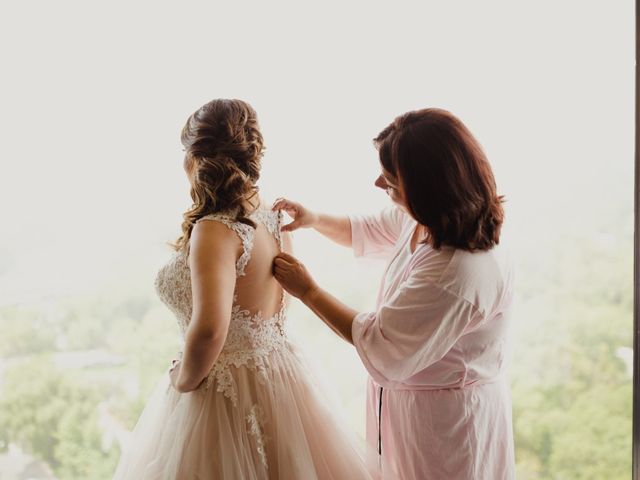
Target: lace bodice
[(250, 337)]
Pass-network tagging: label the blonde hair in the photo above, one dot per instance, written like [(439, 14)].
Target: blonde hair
[(224, 148)]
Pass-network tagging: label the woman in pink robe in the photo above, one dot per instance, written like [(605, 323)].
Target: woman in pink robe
[(438, 403)]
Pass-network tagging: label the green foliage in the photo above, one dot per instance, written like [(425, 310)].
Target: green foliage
[(572, 392), (25, 331), (52, 414), (79, 445)]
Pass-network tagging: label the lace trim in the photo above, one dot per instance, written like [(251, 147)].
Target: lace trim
[(250, 340), (256, 420), (244, 231), (271, 220), (173, 286)]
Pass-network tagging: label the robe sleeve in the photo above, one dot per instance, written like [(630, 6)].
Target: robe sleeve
[(376, 235), (415, 328)]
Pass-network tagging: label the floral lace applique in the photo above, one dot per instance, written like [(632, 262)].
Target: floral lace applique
[(249, 341), (244, 231), (271, 220), (173, 285), (256, 420)]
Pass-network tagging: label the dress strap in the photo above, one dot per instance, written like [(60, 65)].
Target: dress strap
[(278, 227), (272, 221), (278, 220), (244, 231)]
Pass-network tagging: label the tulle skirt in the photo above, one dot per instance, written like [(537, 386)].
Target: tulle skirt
[(278, 426)]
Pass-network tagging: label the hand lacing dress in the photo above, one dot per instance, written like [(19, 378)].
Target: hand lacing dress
[(257, 415)]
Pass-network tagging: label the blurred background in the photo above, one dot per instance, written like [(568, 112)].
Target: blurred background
[(93, 97)]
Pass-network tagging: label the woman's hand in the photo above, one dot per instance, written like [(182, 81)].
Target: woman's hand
[(174, 373), (293, 275), (302, 218)]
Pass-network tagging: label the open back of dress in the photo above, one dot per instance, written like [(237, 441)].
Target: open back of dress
[(257, 291)]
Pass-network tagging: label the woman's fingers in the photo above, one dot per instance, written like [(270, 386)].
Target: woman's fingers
[(281, 268), (288, 258), (282, 258), (282, 204), (175, 362), (281, 264), (290, 227), (284, 269), (292, 275), (292, 208)]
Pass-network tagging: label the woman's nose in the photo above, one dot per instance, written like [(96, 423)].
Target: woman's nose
[(380, 183)]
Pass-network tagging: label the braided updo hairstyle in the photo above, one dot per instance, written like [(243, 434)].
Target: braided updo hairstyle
[(223, 151)]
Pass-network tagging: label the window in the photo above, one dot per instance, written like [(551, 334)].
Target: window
[(92, 188)]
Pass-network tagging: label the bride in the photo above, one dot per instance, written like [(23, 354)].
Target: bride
[(240, 404)]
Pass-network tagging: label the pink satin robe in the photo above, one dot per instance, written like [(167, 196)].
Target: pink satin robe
[(438, 402)]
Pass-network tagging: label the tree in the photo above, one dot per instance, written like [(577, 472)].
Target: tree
[(572, 392), (52, 416)]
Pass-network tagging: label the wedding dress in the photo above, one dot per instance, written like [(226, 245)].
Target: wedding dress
[(258, 414)]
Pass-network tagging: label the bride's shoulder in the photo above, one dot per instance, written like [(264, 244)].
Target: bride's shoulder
[(225, 217), (219, 226), (218, 229)]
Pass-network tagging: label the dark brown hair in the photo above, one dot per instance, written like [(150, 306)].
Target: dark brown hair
[(445, 178), (224, 148)]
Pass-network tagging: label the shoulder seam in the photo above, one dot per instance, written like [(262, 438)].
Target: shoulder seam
[(459, 297)]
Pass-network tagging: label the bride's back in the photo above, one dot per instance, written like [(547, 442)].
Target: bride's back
[(257, 295), (258, 290)]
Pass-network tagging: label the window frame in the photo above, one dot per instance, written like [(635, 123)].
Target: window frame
[(636, 272)]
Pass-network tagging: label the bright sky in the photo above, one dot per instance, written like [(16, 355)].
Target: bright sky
[(94, 96)]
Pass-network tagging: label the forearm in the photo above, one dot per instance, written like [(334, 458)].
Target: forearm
[(334, 228), (200, 352), (338, 316)]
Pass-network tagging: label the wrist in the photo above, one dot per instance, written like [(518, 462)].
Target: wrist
[(182, 388), (315, 219), (310, 295), (185, 386)]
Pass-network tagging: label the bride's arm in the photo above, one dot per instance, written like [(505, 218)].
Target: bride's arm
[(336, 228), (212, 260)]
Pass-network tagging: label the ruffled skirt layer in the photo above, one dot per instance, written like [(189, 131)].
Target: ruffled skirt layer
[(262, 422)]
